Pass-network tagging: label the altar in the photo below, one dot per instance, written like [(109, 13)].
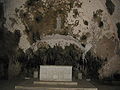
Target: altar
[(55, 73)]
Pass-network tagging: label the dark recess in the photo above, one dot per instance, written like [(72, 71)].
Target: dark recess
[(84, 37), (101, 24), (85, 22), (39, 18), (1, 10), (110, 6), (31, 2), (118, 31)]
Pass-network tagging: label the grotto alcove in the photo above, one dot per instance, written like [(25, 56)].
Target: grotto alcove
[(83, 34), (69, 56)]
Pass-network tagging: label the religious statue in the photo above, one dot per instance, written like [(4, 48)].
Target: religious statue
[(58, 25)]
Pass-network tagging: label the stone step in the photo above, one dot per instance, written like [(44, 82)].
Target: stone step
[(55, 83), (50, 88)]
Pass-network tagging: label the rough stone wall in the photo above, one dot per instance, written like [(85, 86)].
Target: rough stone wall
[(87, 21)]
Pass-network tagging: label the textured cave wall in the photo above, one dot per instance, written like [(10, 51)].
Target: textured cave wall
[(8, 45), (94, 22)]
